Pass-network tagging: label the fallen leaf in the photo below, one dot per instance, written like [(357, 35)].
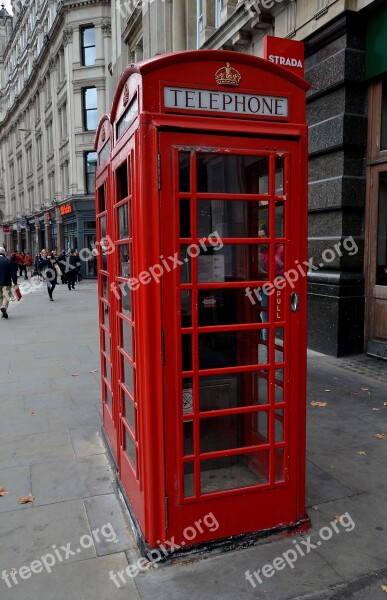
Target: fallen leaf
[(28, 498), (314, 403), (376, 409), (364, 389), (94, 371), (74, 374), (338, 517), (381, 436), (362, 453), (327, 390), (33, 414), (384, 588), (384, 403), (3, 491)]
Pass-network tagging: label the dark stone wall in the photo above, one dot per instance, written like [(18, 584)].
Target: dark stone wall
[(336, 115)]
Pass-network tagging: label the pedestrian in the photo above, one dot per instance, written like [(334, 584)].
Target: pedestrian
[(6, 280), (62, 266), (28, 261), (22, 264), (71, 274), (51, 274), (14, 266)]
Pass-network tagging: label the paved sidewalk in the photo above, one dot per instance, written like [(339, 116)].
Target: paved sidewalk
[(50, 445)]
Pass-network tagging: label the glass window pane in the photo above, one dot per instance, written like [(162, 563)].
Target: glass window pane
[(184, 171), (89, 56), (130, 412), (106, 345), (237, 262), (279, 345), (233, 431), (102, 226), (232, 218), (279, 425), (185, 219), (187, 396), (123, 222), (232, 174), (127, 337), (185, 270), (90, 98), (279, 175), (108, 396), (128, 375), (130, 448), (88, 36), (186, 351), (126, 300), (279, 464), (279, 220), (222, 392), (189, 479), (381, 265), (186, 315), (229, 306), (91, 119), (124, 261), (227, 473), (188, 438), (228, 349)]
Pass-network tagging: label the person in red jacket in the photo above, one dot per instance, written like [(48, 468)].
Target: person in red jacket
[(22, 265)]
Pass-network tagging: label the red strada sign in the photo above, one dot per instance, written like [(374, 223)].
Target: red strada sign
[(65, 209), (286, 53)]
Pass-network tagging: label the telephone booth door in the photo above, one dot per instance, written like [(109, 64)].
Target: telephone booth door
[(230, 224)]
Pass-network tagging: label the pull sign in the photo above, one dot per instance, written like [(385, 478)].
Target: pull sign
[(279, 305)]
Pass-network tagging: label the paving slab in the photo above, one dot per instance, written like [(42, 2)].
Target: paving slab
[(73, 418), (45, 528), (321, 486), (48, 400), (87, 441), (17, 482), (10, 403), (82, 580), (224, 576), (23, 423), (115, 536), (58, 481), (24, 450)]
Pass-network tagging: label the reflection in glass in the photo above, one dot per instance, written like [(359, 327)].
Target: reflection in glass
[(108, 397), (232, 431), (232, 174), (279, 464), (279, 425), (128, 376), (226, 473), (123, 222), (262, 388), (279, 175), (127, 337), (237, 262), (126, 297), (130, 448), (124, 260), (227, 306), (189, 479), (102, 226), (185, 269), (186, 352), (130, 413), (263, 425), (105, 315), (279, 345), (231, 218), (106, 338), (278, 393), (185, 219), (279, 220), (381, 265), (188, 438), (107, 370), (186, 320), (228, 349), (184, 172)]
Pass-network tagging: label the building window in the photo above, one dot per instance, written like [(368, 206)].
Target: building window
[(19, 168), (37, 107), (88, 46), (218, 10), (90, 108), (12, 174), (90, 169), (39, 149), (29, 159), (50, 144)]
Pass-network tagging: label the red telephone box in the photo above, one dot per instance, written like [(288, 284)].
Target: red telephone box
[(201, 195)]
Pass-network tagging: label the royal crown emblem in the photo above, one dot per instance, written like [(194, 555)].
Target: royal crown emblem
[(228, 76)]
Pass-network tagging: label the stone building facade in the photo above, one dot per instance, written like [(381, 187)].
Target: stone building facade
[(347, 116), (53, 72)]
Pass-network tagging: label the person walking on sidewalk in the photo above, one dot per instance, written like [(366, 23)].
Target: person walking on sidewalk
[(71, 275), (6, 280), (49, 266)]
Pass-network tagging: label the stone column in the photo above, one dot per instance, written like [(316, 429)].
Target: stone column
[(19, 238), (59, 229), (37, 235), (336, 115), (179, 41), (28, 238)]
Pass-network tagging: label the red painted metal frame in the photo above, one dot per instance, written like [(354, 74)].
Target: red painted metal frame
[(158, 473)]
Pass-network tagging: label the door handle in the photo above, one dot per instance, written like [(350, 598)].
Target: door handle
[(294, 302)]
